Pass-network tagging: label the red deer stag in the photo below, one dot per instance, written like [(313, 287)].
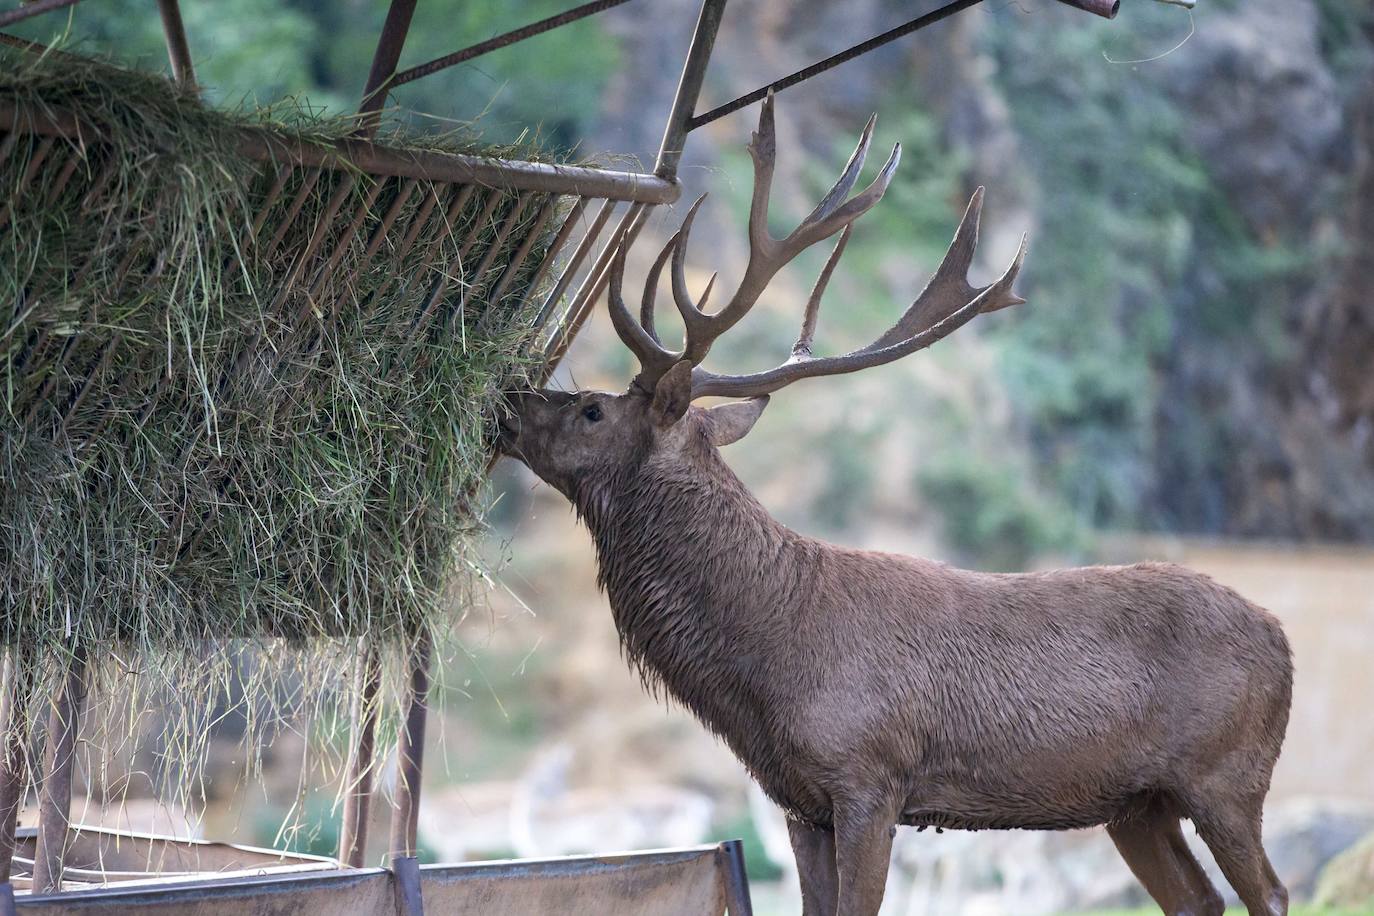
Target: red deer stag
[(865, 690)]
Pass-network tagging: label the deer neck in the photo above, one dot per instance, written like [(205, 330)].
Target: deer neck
[(695, 569)]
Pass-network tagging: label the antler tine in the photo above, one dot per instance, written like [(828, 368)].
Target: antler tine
[(654, 359), (948, 289), (763, 150), (709, 384), (646, 306), (768, 255), (810, 232), (701, 329), (948, 302), (845, 183), (802, 347)]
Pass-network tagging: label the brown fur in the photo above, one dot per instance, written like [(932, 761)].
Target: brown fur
[(865, 689)]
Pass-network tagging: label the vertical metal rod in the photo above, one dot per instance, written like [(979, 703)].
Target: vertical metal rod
[(55, 796), (18, 693), (178, 50), (384, 60), (410, 749), (358, 802), (689, 89), (737, 900)]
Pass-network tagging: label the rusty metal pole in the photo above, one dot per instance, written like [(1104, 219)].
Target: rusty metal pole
[(55, 795), (665, 167), (1107, 9), (410, 750), (384, 60), (358, 800), (178, 49), (18, 693), (689, 89)]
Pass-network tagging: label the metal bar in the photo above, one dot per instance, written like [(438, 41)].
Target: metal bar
[(178, 50), (575, 262), (405, 871), (68, 169), (478, 281), (592, 286), (278, 185), (502, 41), (35, 162), (731, 857), (832, 61), (33, 9), (18, 693), (1107, 9), (357, 153), (418, 222), (688, 89), (358, 800), (323, 224), (101, 182), (513, 266), (384, 59), (564, 232), (410, 749), (307, 185), (403, 193), (346, 238), (441, 282), (55, 796)]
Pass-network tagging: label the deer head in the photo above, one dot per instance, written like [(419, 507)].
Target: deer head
[(570, 438)]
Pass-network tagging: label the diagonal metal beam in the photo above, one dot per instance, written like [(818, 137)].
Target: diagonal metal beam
[(384, 60), (178, 50)]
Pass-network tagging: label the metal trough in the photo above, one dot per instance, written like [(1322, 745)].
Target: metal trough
[(692, 881)]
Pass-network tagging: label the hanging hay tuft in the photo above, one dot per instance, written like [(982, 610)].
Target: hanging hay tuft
[(238, 401)]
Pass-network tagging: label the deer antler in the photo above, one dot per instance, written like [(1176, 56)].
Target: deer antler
[(947, 303)]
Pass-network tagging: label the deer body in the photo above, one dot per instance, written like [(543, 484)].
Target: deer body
[(1047, 700), (863, 689)]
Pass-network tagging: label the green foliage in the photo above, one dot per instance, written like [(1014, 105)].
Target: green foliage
[(1139, 259)]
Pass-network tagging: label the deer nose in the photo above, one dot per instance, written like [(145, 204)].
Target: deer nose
[(508, 418)]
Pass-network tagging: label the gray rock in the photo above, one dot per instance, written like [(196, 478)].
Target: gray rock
[(1254, 79), (1348, 881)]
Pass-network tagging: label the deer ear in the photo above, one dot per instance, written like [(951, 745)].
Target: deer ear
[(673, 393), (732, 422)]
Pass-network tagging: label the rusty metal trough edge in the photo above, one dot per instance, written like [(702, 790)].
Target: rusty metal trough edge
[(376, 159)]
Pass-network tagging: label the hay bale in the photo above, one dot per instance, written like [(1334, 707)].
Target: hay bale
[(206, 433)]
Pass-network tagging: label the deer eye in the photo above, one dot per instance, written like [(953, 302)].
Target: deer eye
[(592, 412)]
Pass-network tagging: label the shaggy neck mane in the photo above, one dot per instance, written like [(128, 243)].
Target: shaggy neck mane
[(675, 584)]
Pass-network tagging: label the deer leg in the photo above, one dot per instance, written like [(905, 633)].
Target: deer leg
[(863, 848), (1153, 846), (814, 848), (1231, 829)]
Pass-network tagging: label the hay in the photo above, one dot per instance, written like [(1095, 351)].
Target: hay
[(205, 436)]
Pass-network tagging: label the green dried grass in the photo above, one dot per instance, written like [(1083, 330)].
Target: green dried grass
[(192, 462)]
